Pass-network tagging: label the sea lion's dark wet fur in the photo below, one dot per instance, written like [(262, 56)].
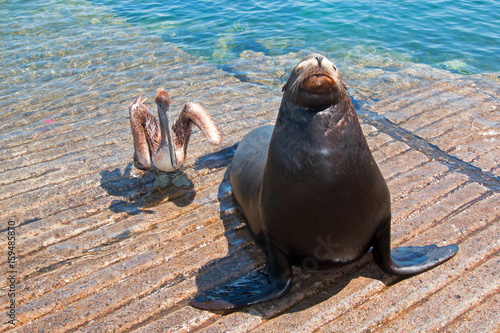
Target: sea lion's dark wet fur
[(312, 193)]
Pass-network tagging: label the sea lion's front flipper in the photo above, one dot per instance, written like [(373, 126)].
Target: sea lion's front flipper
[(408, 260), (264, 284)]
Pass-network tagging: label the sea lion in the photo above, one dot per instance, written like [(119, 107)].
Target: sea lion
[(312, 193)]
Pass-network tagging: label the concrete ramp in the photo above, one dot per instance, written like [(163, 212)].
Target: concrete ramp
[(103, 247)]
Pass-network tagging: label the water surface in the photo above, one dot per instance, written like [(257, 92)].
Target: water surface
[(78, 58), (462, 36)]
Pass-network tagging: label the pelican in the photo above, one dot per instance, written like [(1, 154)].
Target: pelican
[(158, 143)]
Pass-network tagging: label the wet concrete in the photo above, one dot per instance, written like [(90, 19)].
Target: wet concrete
[(104, 247)]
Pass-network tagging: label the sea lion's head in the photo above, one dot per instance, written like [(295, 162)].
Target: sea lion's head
[(314, 83)]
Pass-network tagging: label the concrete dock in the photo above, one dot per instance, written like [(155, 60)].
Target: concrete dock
[(104, 247)]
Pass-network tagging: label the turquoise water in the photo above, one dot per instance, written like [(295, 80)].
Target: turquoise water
[(74, 58), (459, 35)]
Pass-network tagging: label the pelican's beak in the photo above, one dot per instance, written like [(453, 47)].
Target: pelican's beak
[(163, 102)]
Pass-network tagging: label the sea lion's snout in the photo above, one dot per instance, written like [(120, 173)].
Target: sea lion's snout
[(318, 74), (318, 84), (315, 82)]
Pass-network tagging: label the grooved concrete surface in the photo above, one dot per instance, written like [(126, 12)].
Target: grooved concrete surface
[(103, 247)]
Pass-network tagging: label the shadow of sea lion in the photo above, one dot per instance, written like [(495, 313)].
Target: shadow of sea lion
[(216, 160), (146, 191)]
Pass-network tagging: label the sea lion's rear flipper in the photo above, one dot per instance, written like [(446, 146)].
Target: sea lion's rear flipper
[(264, 284), (408, 260)]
